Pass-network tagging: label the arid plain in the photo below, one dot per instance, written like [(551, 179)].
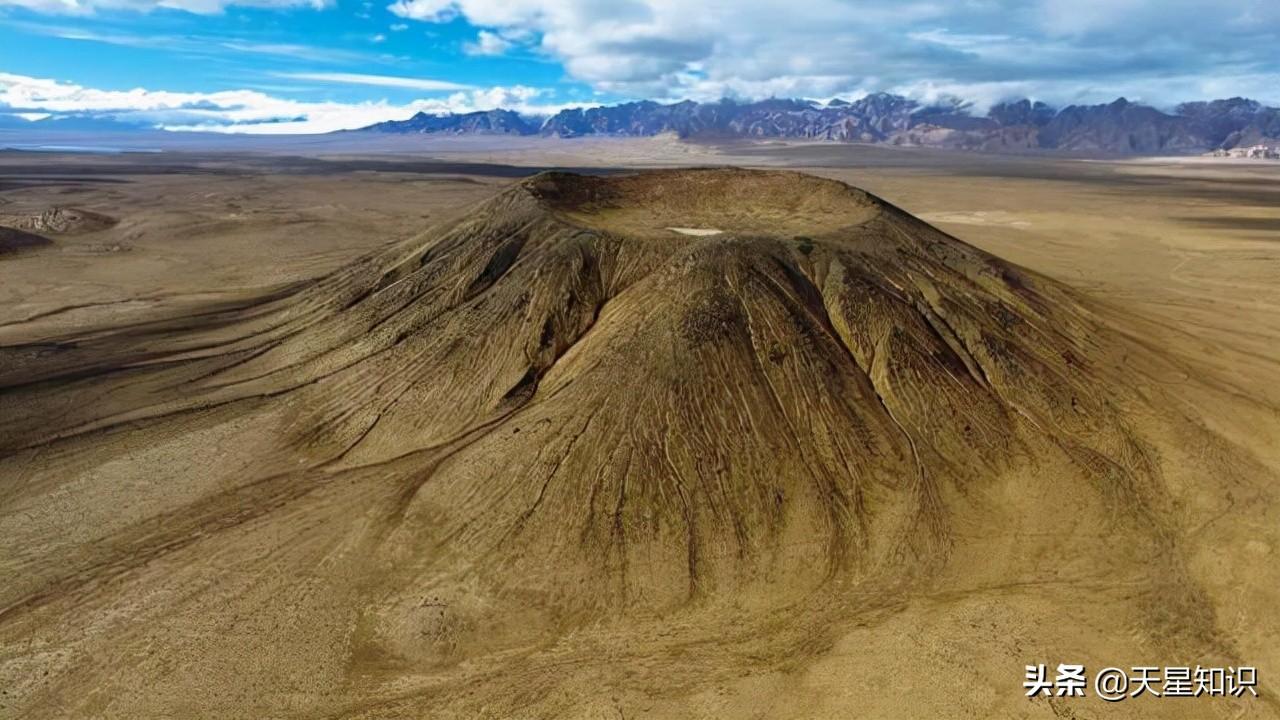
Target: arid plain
[(430, 435)]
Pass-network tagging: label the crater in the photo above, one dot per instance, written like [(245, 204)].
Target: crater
[(704, 202)]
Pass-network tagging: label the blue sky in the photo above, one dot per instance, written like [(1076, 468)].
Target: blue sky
[(317, 65), (247, 47)]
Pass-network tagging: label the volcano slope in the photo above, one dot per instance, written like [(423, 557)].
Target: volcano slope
[(557, 459)]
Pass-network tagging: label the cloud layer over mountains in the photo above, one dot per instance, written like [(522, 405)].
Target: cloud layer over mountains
[(240, 110), (982, 51)]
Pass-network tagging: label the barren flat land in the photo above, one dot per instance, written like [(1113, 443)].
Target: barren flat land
[(632, 429)]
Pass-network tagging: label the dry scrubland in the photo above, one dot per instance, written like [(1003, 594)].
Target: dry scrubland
[(288, 437)]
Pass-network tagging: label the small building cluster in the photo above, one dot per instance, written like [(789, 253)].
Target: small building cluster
[(1258, 152)]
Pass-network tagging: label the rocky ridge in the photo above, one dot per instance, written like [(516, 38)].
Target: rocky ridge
[(1119, 127)]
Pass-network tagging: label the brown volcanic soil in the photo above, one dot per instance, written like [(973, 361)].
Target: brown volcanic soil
[(556, 460)]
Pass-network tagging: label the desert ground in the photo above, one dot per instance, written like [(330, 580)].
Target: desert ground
[(372, 432)]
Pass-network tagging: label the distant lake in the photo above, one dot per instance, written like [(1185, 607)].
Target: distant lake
[(97, 149)]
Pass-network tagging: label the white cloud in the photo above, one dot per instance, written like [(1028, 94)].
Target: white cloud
[(375, 80), (291, 50), (488, 43), (244, 111), (962, 41), (399, 27), (699, 48), (517, 97), (426, 10), (68, 33), (192, 44), (202, 7)]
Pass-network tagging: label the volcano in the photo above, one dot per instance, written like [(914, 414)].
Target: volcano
[(653, 432)]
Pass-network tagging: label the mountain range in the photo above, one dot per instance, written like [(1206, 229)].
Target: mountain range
[(1119, 127)]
